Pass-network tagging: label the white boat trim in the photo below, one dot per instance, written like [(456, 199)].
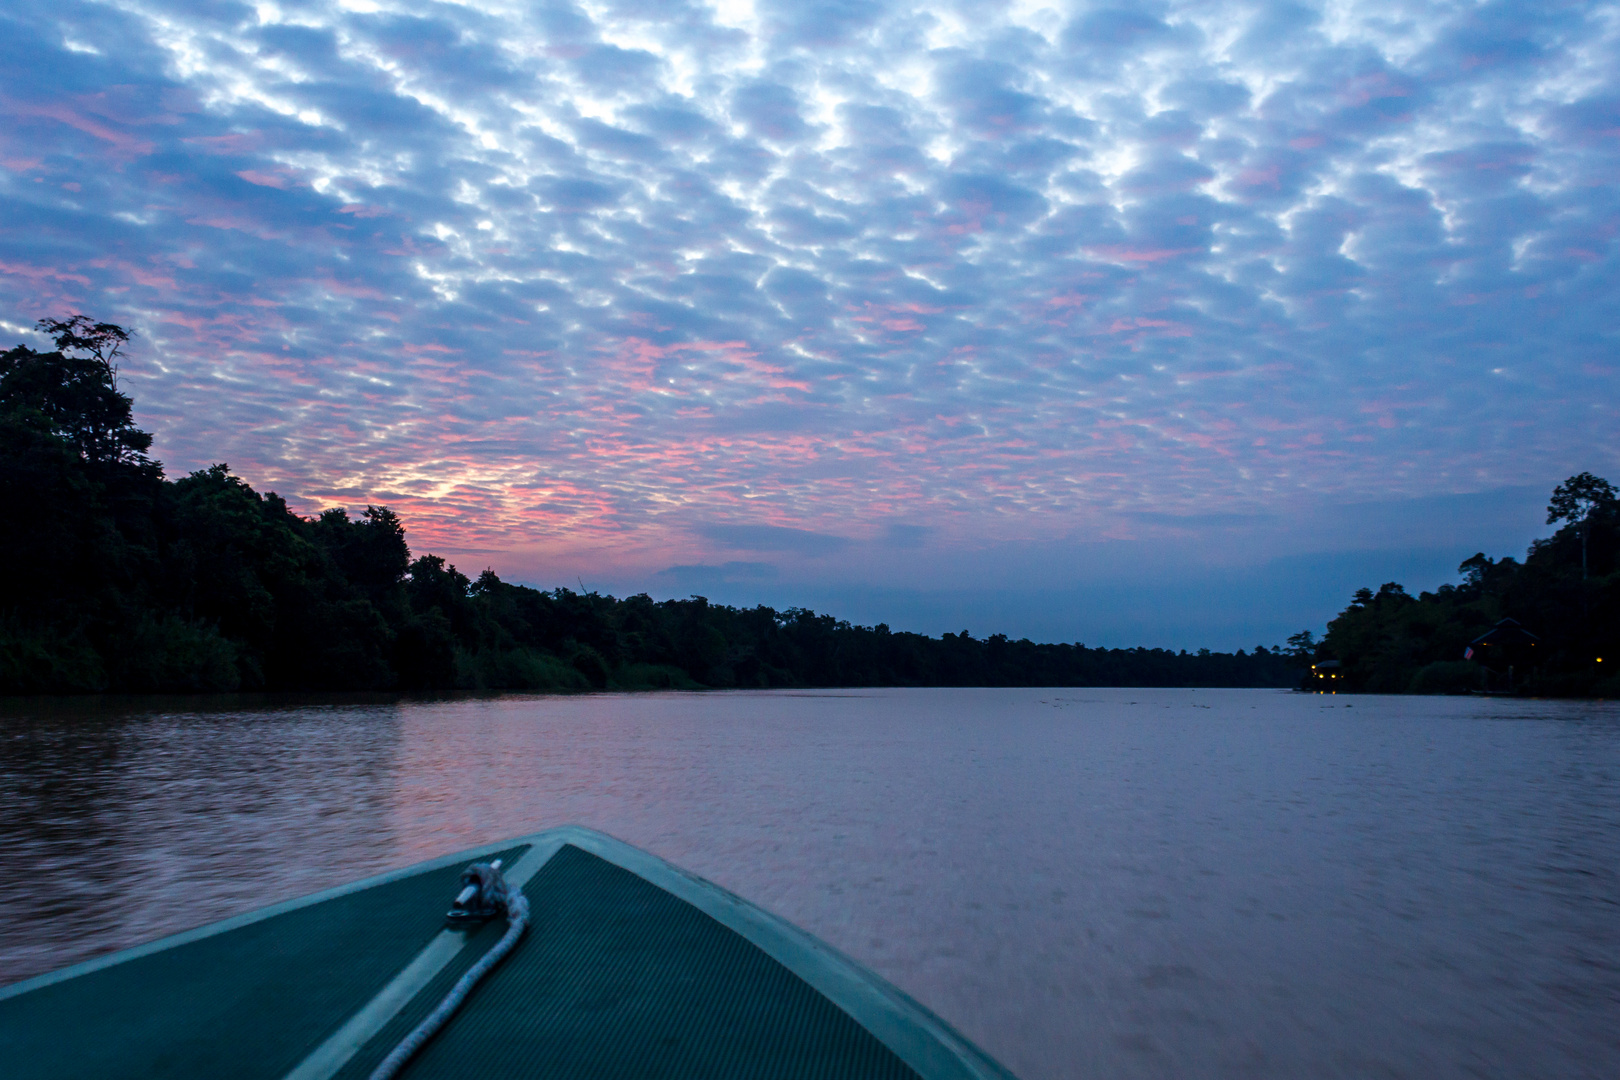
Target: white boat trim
[(328, 1059)]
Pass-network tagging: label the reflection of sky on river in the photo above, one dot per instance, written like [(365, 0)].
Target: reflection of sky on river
[(768, 299), (1089, 882), (119, 828)]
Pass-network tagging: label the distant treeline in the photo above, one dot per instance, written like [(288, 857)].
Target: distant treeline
[(117, 579), (1566, 592)]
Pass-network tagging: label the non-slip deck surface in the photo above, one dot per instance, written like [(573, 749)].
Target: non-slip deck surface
[(248, 1003), (618, 978)]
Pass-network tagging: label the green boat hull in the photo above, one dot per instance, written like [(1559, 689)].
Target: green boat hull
[(631, 968)]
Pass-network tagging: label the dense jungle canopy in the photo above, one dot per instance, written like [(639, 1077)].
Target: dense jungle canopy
[(119, 579), (1566, 593), (122, 580)]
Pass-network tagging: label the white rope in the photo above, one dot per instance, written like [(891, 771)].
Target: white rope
[(517, 915)]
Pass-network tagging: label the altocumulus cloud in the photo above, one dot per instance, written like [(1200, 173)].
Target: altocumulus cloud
[(656, 282)]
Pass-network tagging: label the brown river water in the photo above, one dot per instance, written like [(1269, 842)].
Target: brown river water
[(1088, 883)]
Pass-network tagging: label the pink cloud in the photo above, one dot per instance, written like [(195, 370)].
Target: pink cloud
[(264, 179), (1270, 177), (1133, 323), (40, 273), (242, 142), (124, 145), (155, 279), (1127, 254), (1372, 87), (359, 291)]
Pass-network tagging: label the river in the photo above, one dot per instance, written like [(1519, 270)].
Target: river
[(1088, 883)]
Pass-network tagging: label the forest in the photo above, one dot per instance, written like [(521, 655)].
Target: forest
[(122, 580), (1565, 595)]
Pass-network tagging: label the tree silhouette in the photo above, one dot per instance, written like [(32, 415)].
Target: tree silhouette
[(102, 340), (120, 579), (1576, 500), (73, 394)]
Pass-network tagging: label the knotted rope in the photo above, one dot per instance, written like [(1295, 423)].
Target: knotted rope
[(488, 890)]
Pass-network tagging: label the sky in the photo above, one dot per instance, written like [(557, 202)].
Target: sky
[(1166, 324)]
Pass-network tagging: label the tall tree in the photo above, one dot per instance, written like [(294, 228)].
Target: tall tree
[(1576, 500), (73, 393)]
